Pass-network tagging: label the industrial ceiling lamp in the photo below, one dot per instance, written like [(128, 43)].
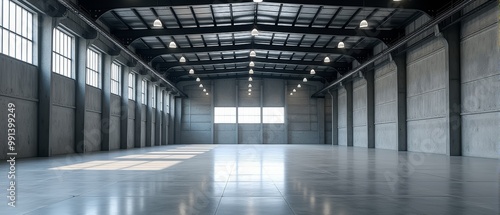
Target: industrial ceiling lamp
[(172, 45), (249, 90), (341, 45), (250, 72), (201, 85), (257, 1), (249, 94), (299, 86), (250, 79), (255, 32), (191, 71), (291, 94), (304, 80), (204, 90), (157, 22), (363, 24), (206, 94), (253, 54), (251, 64), (327, 60), (313, 72), (198, 79), (249, 85), (294, 90), (182, 60)]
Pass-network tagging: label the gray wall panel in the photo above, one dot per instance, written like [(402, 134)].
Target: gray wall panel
[(92, 131)]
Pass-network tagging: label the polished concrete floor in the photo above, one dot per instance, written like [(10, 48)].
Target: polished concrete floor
[(256, 179)]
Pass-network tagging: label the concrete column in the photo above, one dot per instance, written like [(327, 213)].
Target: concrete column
[(350, 111), (320, 105), (81, 86), (157, 114), (287, 141), (106, 101), (171, 120), (47, 25), (164, 120), (138, 111), (400, 62), (237, 129), (335, 117), (149, 115), (124, 108), (370, 107), (452, 36), (178, 120)]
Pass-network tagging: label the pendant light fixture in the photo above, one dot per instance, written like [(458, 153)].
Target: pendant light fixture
[(157, 23), (363, 24), (250, 79), (172, 45), (291, 94), (182, 60), (327, 60), (249, 94), (253, 53), (313, 72), (206, 94), (249, 90), (294, 90), (250, 72), (249, 85), (304, 80), (251, 64), (204, 90), (341, 45), (201, 85), (255, 32), (198, 79), (257, 1), (299, 86), (191, 71)]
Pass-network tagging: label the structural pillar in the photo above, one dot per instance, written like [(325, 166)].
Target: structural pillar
[(335, 117), (106, 101), (350, 112), (149, 115), (370, 107), (138, 112), (452, 36), (124, 109), (47, 25), (80, 91), (400, 62)]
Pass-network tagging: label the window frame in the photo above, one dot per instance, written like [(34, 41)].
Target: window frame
[(225, 115), (144, 84), (98, 72), (116, 78), (244, 118), (20, 30), (68, 54), (266, 115), (131, 86)]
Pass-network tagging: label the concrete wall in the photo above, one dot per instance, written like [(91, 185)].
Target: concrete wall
[(303, 120), (480, 77), (360, 125), (114, 126), (63, 115), (143, 125), (19, 85), (273, 96), (196, 121), (225, 95), (328, 119), (386, 95), (342, 123), (131, 124), (93, 103)]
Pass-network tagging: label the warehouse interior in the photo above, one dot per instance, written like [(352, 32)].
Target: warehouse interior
[(250, 107)]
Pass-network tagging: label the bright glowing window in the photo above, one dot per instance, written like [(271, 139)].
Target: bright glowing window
[(16, 31), (160, 100), (93, 68), (247, 115), (153, 96), (225, 115), (62, 54), (131, 86), (116, 76), (143, 91), (273, 115)]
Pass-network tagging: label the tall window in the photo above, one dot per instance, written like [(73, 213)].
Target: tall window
[(62, 52), (16, 31), (248, 115), (224, 115), (143, 91), (131, 86), (93, 68), (116, 76), (153, 96), (273, 115)]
